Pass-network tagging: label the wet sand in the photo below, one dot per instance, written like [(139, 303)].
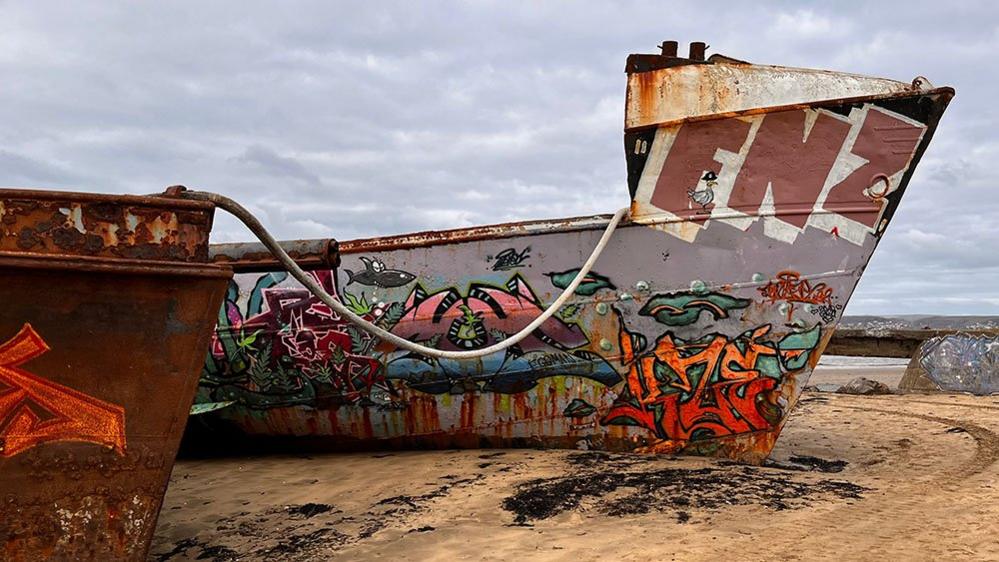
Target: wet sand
[(853, 477)]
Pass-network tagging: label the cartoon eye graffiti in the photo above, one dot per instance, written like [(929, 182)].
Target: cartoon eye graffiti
[(579, 408), (682, 309), (467, 331)]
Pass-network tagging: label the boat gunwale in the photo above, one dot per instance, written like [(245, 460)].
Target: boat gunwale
[(91, 264), (157, 201), (947, 91)]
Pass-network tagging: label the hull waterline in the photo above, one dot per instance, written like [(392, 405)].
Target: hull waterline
[(752, 222)]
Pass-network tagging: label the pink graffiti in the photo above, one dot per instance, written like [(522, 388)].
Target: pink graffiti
[(475, 319)]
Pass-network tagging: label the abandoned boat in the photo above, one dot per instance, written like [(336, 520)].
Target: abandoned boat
[(108, 301), (758, 194)]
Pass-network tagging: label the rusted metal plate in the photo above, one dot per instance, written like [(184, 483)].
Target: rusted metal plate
[(472, 234), (104, 226), (99, 357), (681, 89), (695, 332), (248, 257)]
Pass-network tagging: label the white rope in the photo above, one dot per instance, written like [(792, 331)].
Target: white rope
[(309, 283)]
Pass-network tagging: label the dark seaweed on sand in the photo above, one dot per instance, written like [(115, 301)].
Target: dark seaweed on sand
[(669, 489)]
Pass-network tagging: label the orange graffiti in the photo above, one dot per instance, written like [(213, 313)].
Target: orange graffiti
[(34, 410), (710, 387), (790, 287)]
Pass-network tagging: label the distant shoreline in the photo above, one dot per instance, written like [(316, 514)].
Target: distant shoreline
[(919, 322)]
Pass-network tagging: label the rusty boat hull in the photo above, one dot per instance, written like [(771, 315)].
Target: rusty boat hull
[(109, 304), (755, 209)]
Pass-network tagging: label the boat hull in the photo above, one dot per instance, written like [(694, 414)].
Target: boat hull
[(109, 304), (694, 333)]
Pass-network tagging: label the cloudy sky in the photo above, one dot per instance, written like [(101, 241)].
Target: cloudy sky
[(357, 119)]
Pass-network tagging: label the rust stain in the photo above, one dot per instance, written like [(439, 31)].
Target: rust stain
[(127, 227), (473, 234)]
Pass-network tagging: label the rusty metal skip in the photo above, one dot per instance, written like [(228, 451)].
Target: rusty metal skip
[(109, 303)]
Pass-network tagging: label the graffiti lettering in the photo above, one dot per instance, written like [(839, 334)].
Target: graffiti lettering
[(780, 164), (790, 287), (803, 166), (510, 259), (828, 312), (553, 359), (34, 410), (290, 348), (691, 157), (887, 145), (709, 387)]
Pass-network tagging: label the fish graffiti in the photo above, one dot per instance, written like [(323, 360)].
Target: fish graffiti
[(688, 390), (790, 287), (35, 411), (683, 309), (375, 274), (592, 283)]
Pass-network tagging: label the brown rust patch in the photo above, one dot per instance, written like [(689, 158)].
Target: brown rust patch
[(27, 239), (76, 224), (945, 92)]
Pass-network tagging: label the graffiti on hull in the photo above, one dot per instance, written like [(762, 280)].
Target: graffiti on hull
[(683, 309), (482, 316), (708, 387), (588, 287), (289, 349), (790, 287), (792, 169), (377, 275), (34, 411), (509, 258)]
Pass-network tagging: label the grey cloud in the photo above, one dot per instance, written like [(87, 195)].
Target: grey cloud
[(366, 119), (20, 170), (269, 162)]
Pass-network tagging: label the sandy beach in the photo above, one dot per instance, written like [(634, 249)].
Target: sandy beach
[(852, 477)]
